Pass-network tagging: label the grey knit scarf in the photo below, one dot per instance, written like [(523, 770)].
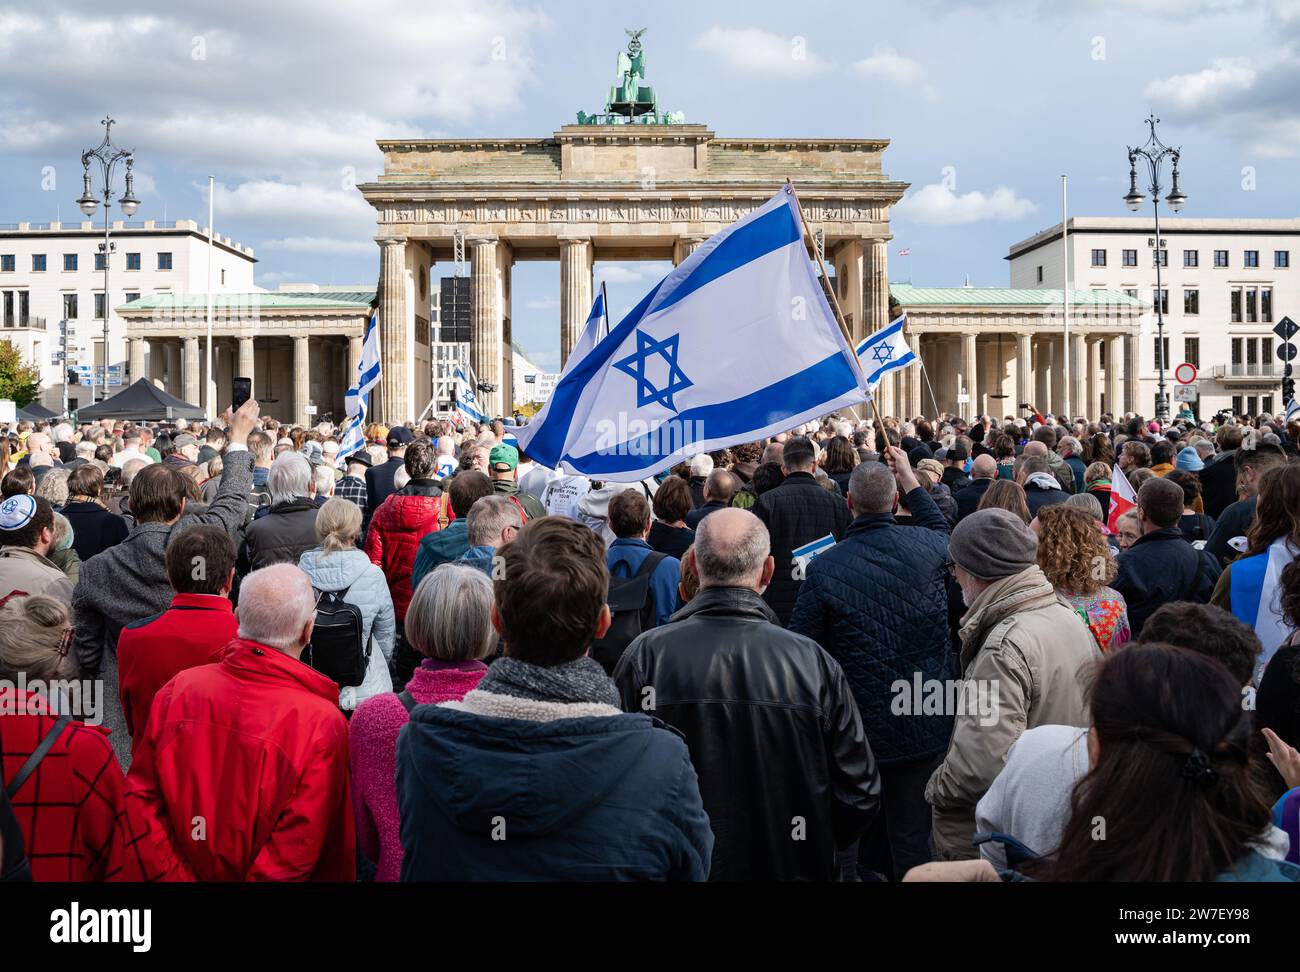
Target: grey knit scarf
[(582, 680)]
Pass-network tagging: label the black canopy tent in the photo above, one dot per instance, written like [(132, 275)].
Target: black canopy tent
[(143, 401), (35, 412)]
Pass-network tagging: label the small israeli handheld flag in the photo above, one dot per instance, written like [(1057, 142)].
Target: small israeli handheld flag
[(884, 351), (356, 397), (737, 343), (467, 397), (1292, 410)]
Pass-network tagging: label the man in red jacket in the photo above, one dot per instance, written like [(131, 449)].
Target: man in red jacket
[(194, 630), (242, 773)]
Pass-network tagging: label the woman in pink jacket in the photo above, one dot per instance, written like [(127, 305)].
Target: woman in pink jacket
[(449, 622)]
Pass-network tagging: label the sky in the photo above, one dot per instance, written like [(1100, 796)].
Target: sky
[(986, 105)]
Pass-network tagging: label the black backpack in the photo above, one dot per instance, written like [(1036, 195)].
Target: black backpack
[(336, 649), (14, 866), (633, 608)]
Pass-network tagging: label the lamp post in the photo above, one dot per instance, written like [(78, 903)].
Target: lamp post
[(108, 156), (1153, 153)]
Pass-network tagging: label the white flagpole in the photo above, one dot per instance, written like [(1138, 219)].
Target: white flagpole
[(1065, 297), (210, 384)]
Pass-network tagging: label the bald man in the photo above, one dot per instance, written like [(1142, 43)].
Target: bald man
[(760, 707), (983, 471)]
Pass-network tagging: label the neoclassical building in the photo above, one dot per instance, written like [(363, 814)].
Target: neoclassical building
[(988, 349), (301, 348), (630, 183)]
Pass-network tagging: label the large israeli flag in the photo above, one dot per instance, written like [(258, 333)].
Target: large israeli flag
[(597, 327), (737, 343), (467, 398), (884, 351), (356, 397)]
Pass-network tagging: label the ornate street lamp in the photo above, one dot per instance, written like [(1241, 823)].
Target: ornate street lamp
[(1154, 153), (108, 156)]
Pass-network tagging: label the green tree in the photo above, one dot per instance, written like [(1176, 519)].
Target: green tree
[(18, 381)]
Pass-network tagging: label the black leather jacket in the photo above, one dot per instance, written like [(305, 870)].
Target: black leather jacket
[(784, 766)]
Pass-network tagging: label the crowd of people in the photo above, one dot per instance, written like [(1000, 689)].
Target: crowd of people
[(861, 650)]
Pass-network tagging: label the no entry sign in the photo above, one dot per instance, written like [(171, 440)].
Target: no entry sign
[(1185, 373)]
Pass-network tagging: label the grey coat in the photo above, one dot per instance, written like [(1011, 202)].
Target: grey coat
[(129, 581)]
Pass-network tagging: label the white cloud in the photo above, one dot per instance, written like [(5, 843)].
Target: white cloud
[(756, 51), (937, 205), (1203, 90), (619, 275), (309, 210), (886, 64), (325, 244), (543, 304)]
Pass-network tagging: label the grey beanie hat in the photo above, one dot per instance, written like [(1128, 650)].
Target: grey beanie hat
[(993, 543)]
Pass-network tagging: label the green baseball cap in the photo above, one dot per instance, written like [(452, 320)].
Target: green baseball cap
[(503, 457)]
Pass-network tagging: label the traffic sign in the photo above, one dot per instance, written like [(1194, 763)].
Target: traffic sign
[(1286, 351), (1286, 329), (1185, 373), (1185, 393)]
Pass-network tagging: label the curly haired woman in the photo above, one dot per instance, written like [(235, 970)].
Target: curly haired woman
[(1076, 558)]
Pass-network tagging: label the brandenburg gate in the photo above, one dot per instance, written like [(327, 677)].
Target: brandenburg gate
[(633, 183)]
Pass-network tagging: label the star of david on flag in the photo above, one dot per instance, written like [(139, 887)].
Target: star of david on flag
[(884, 351), (735, 344), (635, 365)]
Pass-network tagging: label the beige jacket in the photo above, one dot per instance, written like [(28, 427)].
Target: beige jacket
[(1026, 650), (23, 569)]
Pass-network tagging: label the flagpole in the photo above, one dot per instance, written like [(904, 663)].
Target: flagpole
[(604, 305), (835, 303)]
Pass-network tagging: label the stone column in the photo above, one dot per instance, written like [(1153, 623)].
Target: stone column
[(1024, 368), (875, 309), (915, 400), (171, 374), (684, 247), (1131, 386), (135, 355), (575, 292), (485, 320), (1114, 353), (394, 331), (246, 359), (1094, 379), (301, 379), (1078, 372), (354, 361), (190, 371), (968, 366)]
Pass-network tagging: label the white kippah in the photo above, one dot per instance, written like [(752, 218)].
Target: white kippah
[(17, 511)]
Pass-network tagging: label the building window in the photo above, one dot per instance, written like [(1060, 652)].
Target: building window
[(99, 307), (9, 308), (1236, 405), (1192, 351), (1040, 273), (223, 279), (69, 261), (132, 295), (1132, 292), (1161, 258), (1252, 352), (99, 261), (1235, 302), (1252, 296), (8, 263), (1161, 300), (1281, 259), (1220, 258), (1266, 405), (133, 261), (38, 262), (1191, 301), (1159, 346), (69, 307), (1098, 258), (164, 260), (1250, 259), (1191, 258), (1266, 304), (1130, 258), (1236, 351)]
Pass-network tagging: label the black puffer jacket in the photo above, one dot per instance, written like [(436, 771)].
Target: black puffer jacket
[(279, 537), (773, 731), (1219, 483), (878, 604), (797, 512), (1161, 567)]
